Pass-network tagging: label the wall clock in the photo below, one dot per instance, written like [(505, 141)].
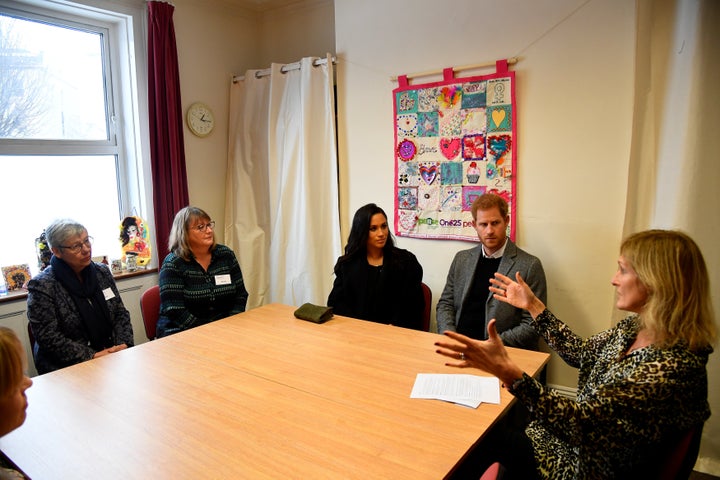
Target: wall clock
[(200, 119)]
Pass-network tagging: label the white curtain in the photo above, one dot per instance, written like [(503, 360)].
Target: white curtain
[(674, 167), (281, 212)]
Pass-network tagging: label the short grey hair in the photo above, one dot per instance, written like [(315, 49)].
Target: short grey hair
[(60, 230)]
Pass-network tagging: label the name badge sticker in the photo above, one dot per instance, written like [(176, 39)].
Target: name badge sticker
[(108, 293), (223, 279)]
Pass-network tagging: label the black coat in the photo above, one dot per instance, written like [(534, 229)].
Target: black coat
[(396, 298)]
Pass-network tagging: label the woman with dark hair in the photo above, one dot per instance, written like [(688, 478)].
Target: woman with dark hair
[(375, 280), (200, 280)]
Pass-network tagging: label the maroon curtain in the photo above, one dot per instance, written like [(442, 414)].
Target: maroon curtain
[(170, 191)]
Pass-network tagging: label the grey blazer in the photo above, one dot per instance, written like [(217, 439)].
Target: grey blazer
[(513, 324)]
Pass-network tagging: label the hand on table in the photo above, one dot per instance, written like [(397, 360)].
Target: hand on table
[(110, 350)]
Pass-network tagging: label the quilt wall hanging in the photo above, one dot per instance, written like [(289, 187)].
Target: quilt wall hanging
[(454, 141)]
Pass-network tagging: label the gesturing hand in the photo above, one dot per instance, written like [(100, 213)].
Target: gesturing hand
[(489, 355), (518, 294)]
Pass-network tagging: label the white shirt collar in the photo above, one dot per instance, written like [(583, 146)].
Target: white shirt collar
[(498, 253)]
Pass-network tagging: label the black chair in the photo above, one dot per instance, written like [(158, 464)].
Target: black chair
[(31, 336), (680, 457), (427, 294)]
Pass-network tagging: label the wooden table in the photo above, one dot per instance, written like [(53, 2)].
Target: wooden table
[(257, 395)]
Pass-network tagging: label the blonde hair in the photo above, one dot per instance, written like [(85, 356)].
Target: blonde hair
[(178, 241), (11, 362), (678, 308)]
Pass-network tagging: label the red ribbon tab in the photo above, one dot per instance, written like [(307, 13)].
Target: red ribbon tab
[(402, 81), (501, 66), (448, 74)]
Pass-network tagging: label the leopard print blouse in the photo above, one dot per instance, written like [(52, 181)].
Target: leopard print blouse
[(625, 403)]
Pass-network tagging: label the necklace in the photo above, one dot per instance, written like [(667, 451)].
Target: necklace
[(375, 261)]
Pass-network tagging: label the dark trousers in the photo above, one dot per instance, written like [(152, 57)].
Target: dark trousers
[(506, 443)]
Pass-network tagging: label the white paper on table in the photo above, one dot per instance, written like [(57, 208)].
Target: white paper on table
[(469, 390)]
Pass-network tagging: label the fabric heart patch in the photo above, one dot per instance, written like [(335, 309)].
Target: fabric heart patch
[(450, 147), (498, 145), (429, 172), (408, 220), (498, 116)]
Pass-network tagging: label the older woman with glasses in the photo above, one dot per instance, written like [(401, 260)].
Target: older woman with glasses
[(200, 280), (74, 306)]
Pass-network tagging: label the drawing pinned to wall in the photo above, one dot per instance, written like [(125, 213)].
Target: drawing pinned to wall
[(454, 141), (135, 239)]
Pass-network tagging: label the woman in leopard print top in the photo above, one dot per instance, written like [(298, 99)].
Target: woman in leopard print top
[(640, 382)]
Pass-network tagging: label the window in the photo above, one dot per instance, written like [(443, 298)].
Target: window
[(69, 117)]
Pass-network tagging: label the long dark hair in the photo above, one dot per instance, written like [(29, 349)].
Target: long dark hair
[(357, 240)]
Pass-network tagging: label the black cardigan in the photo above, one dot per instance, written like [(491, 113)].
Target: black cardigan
[(398, 296)]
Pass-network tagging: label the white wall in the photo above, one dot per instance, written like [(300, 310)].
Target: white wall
[(306, 29), (214, 42), (574, 101)]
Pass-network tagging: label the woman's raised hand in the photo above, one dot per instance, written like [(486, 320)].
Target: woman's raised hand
[(516, 293)]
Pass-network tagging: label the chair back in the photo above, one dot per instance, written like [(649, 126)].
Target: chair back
[(150, 308), (31, 336), (427, 294), (682, 453), (493, 472)]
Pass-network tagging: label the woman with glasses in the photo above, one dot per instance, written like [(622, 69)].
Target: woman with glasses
[(74, 307), (200, 280)]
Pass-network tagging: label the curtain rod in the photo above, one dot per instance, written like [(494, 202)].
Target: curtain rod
[(510, 61), (284, 69)]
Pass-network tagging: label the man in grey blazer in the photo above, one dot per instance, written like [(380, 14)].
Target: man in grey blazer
[(466, 305)]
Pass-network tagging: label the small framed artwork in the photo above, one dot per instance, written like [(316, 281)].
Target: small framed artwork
[(16, 276), (135, 241)]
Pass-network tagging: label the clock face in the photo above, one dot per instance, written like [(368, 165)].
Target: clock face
[(200, 119)]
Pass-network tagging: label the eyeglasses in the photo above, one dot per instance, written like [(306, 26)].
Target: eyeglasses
[(204, 226), (78, 246)]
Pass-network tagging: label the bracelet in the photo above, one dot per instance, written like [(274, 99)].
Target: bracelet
[(511, 388)]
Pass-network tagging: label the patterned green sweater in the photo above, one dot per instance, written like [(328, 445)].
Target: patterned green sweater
[(191, 296)]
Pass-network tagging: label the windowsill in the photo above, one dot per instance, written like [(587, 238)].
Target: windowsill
[(22, 293), (137, 273), (14, 295)]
